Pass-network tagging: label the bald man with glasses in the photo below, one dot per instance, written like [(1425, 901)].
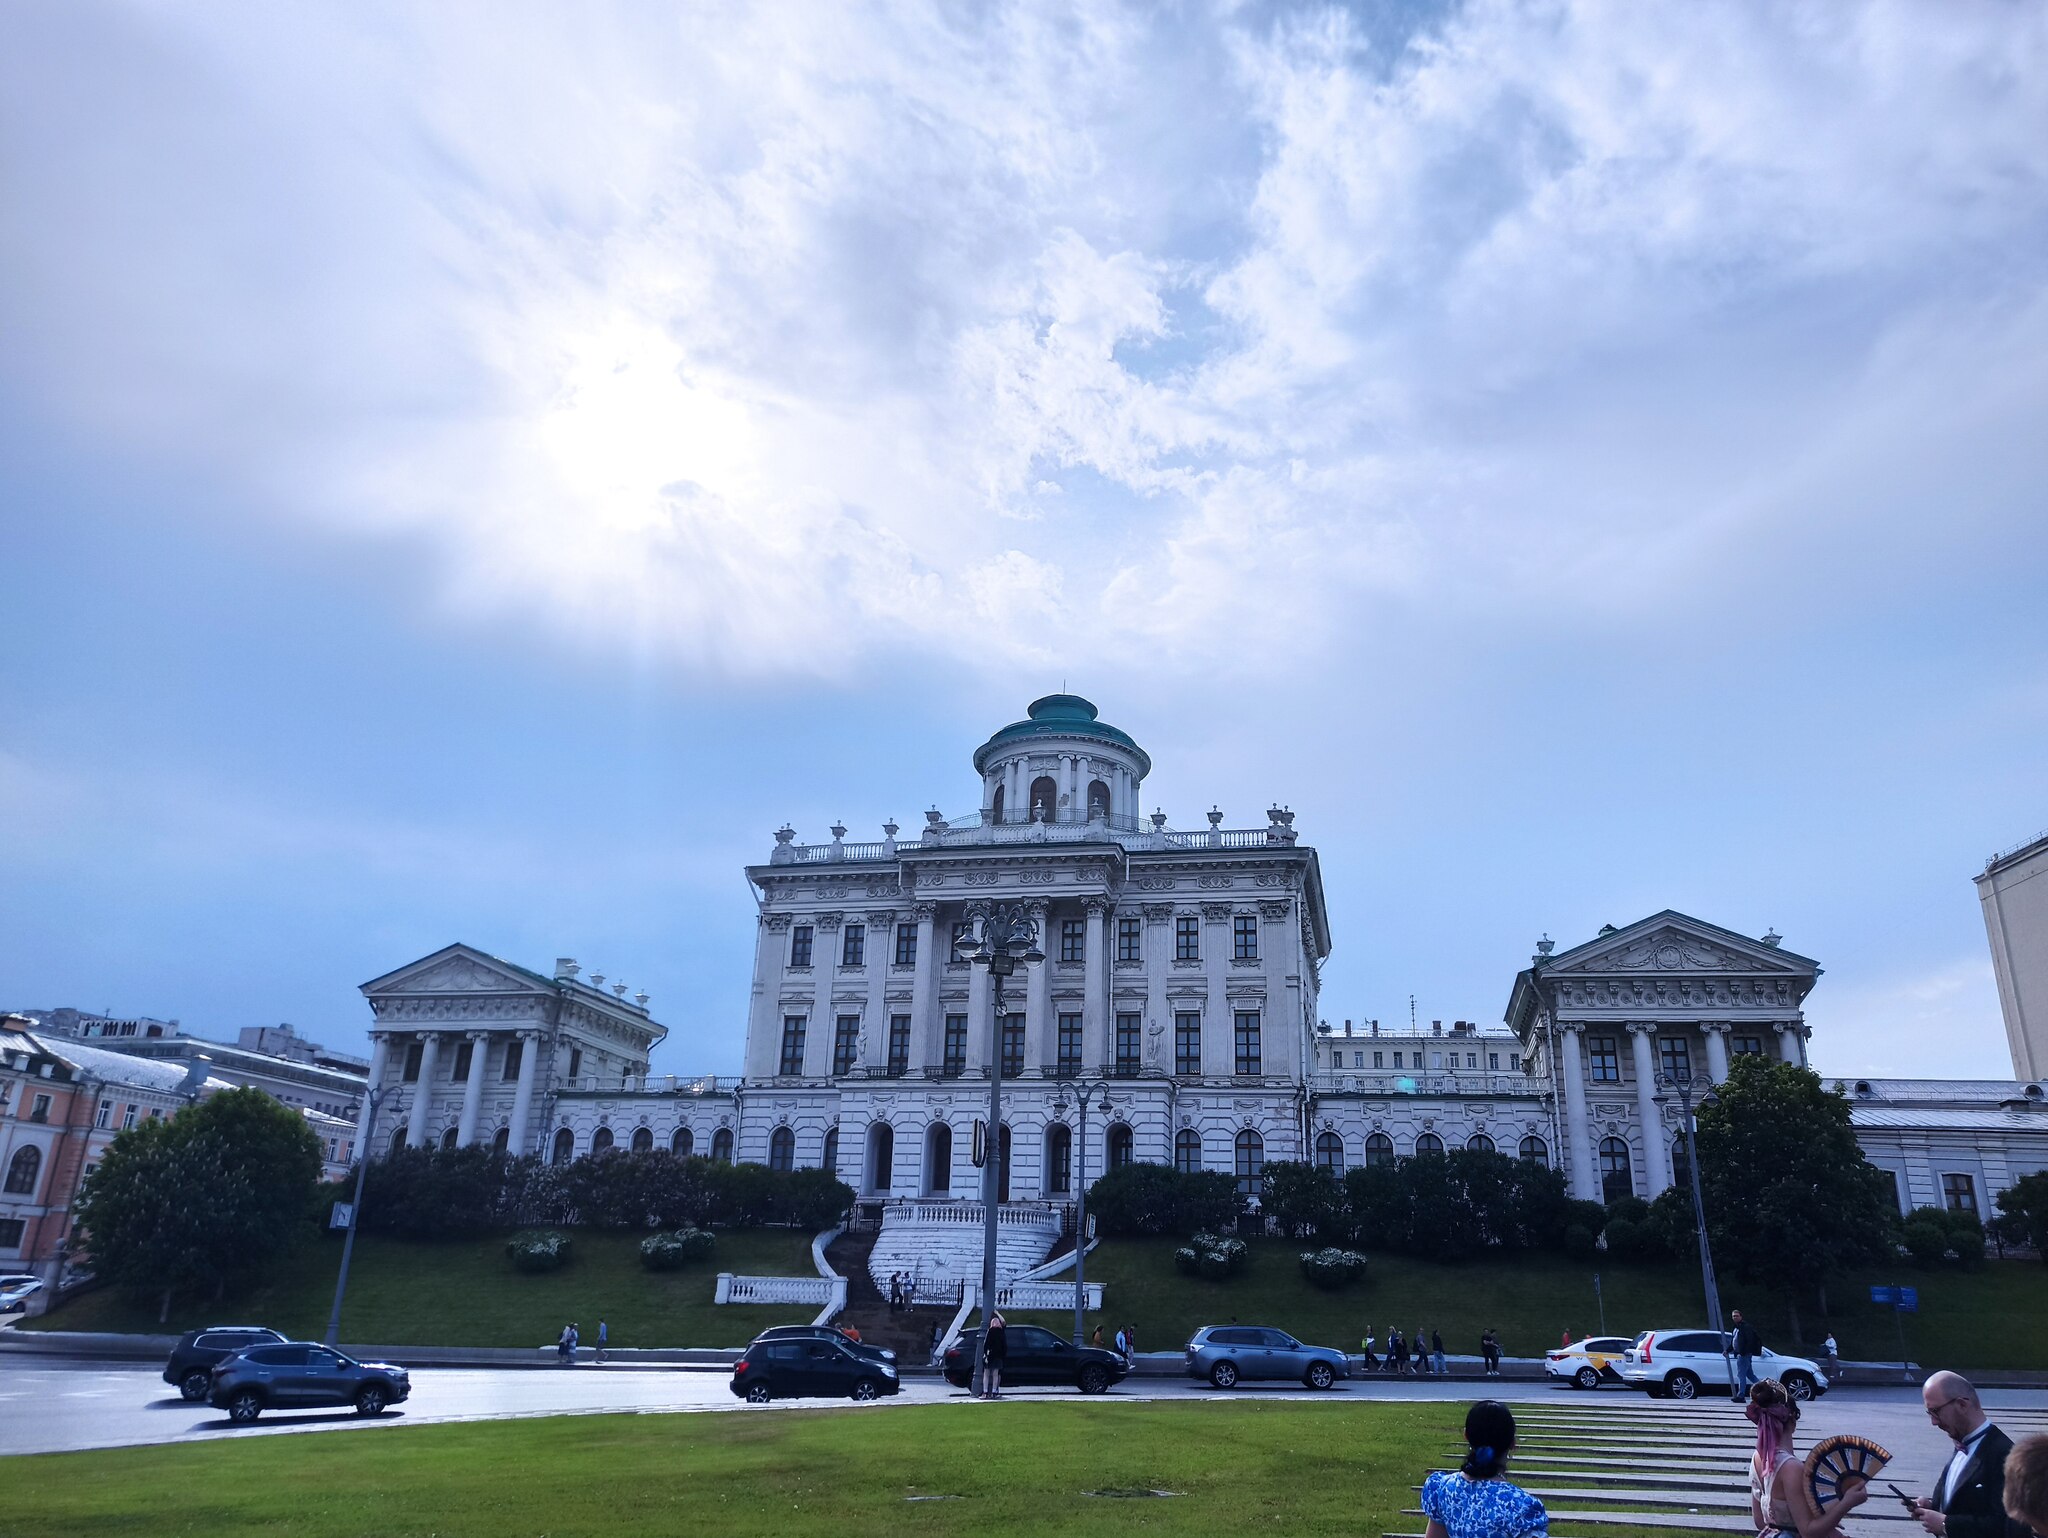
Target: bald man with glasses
[(1969, 1497)]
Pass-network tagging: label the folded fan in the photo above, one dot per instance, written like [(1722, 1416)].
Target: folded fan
[(1836, 1462)]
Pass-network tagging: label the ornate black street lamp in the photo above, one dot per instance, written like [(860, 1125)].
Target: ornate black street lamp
[(1680, 1082), (999, 936), (1083, 1093)]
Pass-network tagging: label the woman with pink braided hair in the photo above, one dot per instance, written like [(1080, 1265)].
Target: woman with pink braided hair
[(1779, 1502)]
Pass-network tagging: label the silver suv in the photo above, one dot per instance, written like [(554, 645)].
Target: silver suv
[(1225, 1354), (1679, 1363)]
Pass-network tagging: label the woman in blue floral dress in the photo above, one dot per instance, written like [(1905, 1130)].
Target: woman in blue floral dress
[(1475, 1501)]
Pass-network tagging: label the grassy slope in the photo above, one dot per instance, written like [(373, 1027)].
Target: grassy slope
[(1020, 1468), (1997, 1317), (465, 1293)]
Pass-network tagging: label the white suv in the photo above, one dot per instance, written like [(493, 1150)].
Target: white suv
[(1679, 1363)]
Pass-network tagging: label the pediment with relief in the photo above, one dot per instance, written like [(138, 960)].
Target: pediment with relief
[(460, 971), (1675, 949)]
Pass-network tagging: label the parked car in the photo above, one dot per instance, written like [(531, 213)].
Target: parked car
[(826, 1332), (1037, 1356), (1679, 1363), (805, 1368), (1226, 1354), (198, 1352), (1589, 1362), (298, 1375), (16, 1288)]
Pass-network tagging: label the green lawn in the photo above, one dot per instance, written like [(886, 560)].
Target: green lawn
[(1996, 1317), (1012, 1468), (465, 1293)]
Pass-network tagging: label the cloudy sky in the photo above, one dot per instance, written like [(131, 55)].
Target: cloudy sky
[(474, 471)]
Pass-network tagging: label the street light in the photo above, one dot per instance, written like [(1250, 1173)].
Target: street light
[(355, 1215), (1680, 1081), (1008, 935), (1083, 1093)]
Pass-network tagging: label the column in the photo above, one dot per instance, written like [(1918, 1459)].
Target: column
[(1041, 1040), (924, 1022), (1578, 1128), (1717, 1051), (1789, 1043), (380, 1051), (1013, 796), (416, 1132), (1095, 978), (473, 1088), (1656, 1153), (881, 957), (522, 1097), (825, 969)]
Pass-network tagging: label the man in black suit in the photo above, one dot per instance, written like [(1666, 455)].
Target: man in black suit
[(1969, 1497)]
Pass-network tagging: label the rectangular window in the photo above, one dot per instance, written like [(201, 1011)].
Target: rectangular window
[(1013, 1046), (1073, 939), (853, 945), (1187, 1042), (575, 1061), (1515, 1062), (465, 1052), (1605, 1061), (1130, 939), (128, 1117), (1358, 1060), (39, 1108), (411, 1073), (1747, 1046), (105, 1115), (1436, 1060), (800, 946), (1187, 939), (1248, 1057), (1397, 1061), (1493, 1061), (11, 1232), (1379, 1059), (515, 1053), (899, 1046), (956, 1046), (845, 1045), (1245, 937), (1959, 1193), (1070, 1046), (1471, 1059), (793, 1044), (906, 945), (1674, 1057), (1130, 1034)]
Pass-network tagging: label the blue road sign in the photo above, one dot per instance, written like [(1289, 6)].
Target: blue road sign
[(1881, 1295), (1909, 1300)]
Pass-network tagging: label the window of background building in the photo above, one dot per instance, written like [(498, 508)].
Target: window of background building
[(1397, 1060), (1249, 1059), (1536, 1149), (12, 1231), (955, 1062), (1379, 1059), (1118, 1146), (899, 1046), (1615, 1180), (515, 1050), (1747, 1046), (1059, 1157), (1130, 1036), (906, 945), (845, 1045), (1245, 937), (853, 945), (465, 1052), (22, 1170), (1070, 1046), (1606, 1063), (1358, 1060), (782, 1149), (1959, 1193), (1429, 1143), (1130, 939), (575, 1061), (800, 946), (39, 1108), (1379, 1150), (128, 1117), (1515, 1061), (1073, 939), (1493, 1061), (1187, 1151), (1187, 1042), (105, 1115), (1330, 1153), (792, 1045), (721, 1146), (413, 1053), (1674, 1057), (1251, 1164), (1013, 1046), (1187, 939), (1471, 1059), (829, 1163)]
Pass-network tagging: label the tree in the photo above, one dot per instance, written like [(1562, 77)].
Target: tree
[(2023, 1208), (1302, 1199), (1789, 1196), (208, 1199), (1158, 1199)]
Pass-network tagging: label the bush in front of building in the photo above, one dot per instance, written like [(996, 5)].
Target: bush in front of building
[(1634, 1232), (673, 1250), (1158, 1199), (1331, 1268), (1301, 1199), (539, 1250), (1214, 1256), (1932, 1234), (2023, 1213)]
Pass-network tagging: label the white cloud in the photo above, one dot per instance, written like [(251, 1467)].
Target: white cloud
[(1939, 1022)]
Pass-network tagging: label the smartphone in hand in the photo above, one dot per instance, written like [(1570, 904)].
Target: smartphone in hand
[(1912, 1506)]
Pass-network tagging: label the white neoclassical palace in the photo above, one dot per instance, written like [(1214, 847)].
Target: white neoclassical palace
[(1182, 968)]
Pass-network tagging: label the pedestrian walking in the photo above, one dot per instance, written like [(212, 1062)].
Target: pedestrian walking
[(1130, 1345), (1489, 1347), (931, 1350), (565, 1344), (1475, 1501), (1095, 1340), (1371, 1362), (995, 1350), (1397, 1352), (1421, 1348), (1567, 1337), (603, 1338), (1436, 1351), (1834, 1358), (1748, 1346)]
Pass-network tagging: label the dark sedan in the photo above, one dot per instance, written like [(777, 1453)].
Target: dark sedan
[(1037, 1356), (825, 1332), (300, 1376), (808, 1369), (198, 1352)]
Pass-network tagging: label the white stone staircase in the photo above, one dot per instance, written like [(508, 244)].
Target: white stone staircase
[(939, 1245)]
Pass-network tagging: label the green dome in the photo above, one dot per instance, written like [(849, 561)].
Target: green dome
[(1062, 715)]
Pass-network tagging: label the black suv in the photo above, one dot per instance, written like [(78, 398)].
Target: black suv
[(804, 1368), (1038, 1356), (300, 1376), (198, 1352), (827, 1333)]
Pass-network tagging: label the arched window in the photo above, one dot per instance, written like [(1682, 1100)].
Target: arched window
[(1098, 800), (995, 808), (501, 1140), (1428, 1143), (398, 1140), (721, 1146), (1681, 1165), (1479, 1142), (1118, 1145), (1614, 1172), (565, 1146), (601, 1140), (830, 1161), (448, 1138), (1534, 1148), (1330, 1153), (1187, 1151), (938, 1160), (881, 1157), (22, 1170), (643, 1140), (683, 1143), (1059, 1159), (1251, 1164), (1045, 799), (1379, 1149), (782, 1149)]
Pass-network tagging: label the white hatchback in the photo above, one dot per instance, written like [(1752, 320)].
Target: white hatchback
[(1679, 1363)]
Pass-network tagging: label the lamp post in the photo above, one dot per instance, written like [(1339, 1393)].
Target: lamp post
[(1681, 1083), (1083, 1093), (355, 1215), (1008, 935)]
